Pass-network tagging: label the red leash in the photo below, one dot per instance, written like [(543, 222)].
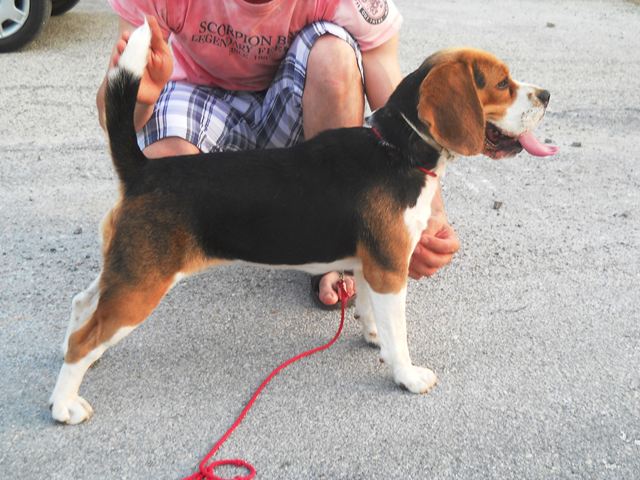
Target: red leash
[(206, 470)]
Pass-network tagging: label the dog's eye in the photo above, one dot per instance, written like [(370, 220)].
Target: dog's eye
[(503, 84)]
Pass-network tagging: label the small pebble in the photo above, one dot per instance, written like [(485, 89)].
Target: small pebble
[(548, 140), (551, 25), (576, 144), (53, 250), (497, 205), (77, 231)]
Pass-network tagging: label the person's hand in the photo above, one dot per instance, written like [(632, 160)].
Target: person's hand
[(435, 249), (159, 63)]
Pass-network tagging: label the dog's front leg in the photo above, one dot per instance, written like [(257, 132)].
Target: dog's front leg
[(389, 311), (364, 312)]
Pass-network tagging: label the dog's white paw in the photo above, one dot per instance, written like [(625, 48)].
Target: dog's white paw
[(415, 379), (71, 410)]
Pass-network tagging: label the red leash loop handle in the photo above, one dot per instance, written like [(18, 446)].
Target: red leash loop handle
[(206, 470)]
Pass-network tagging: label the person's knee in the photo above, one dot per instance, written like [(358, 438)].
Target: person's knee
[(332, 70), (169, 147)]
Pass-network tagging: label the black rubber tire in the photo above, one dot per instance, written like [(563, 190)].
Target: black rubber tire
[(39, 13), (60, 7)]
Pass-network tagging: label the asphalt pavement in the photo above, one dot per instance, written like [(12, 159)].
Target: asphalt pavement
[(533, 330)]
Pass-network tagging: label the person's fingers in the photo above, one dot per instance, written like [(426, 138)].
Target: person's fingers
[(350, 285), (434, 250), (423, 259), (442, 246), (157, 41), (152, 59), (156, 60), (446, 232), (432, 228), (418, 273), (121, 44)]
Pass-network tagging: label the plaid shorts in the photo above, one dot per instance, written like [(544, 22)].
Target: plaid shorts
[(214, 119)]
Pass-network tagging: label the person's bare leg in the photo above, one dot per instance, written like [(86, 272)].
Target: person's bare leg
[(333, 97), (170, 146)]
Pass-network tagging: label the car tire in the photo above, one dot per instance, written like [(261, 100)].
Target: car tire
[(61, 7), (18, 30)]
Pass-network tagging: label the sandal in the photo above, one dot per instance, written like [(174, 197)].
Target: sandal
[(315, 293)]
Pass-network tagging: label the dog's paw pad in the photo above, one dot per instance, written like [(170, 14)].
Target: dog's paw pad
[(415, 379), (72, 411)]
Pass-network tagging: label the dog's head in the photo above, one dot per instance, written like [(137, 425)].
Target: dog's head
[(469, 104)]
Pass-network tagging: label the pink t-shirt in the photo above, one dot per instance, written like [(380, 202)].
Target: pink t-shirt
[(238, 45)]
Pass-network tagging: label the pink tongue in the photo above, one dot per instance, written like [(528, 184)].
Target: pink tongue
[(532, 145)]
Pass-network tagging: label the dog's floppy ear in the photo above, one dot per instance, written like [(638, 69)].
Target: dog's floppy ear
[(450, 107)]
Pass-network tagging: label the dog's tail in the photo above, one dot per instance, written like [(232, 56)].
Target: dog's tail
[(120, 101)]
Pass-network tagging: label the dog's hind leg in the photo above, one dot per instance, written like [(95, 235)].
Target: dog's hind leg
[(85, 302), (120, 308), (82, 307)]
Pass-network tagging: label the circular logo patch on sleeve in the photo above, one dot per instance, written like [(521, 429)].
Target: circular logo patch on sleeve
[(373, 11)]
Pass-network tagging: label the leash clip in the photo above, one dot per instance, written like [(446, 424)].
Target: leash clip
[(342, 289)]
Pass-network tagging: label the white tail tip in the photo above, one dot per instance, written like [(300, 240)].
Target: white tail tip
[(134, 57)]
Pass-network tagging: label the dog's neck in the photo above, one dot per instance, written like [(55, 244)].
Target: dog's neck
[(402, 132)]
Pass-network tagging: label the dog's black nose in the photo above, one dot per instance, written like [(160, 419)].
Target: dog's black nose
[(543, 96)]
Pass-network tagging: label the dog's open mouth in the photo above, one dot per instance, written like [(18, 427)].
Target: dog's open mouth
[(499, 145)]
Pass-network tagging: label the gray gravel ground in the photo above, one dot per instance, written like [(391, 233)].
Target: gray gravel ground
[(534, 329)]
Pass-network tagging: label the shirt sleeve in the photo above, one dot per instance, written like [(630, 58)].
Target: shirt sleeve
[(133, 11), (371, 22)]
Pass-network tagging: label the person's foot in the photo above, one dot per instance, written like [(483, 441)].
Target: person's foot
[(328, 287)]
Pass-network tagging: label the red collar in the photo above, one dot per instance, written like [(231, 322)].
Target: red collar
[(426, 171)]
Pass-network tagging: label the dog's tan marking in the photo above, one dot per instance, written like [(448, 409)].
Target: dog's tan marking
[(119, 306), (384, 219), (145, 247), (450, 106), (107, 226)]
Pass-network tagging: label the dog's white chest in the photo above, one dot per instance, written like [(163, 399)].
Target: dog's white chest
[(417, 217)]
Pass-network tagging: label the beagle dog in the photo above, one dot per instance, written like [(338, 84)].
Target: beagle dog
[(351, 198)]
